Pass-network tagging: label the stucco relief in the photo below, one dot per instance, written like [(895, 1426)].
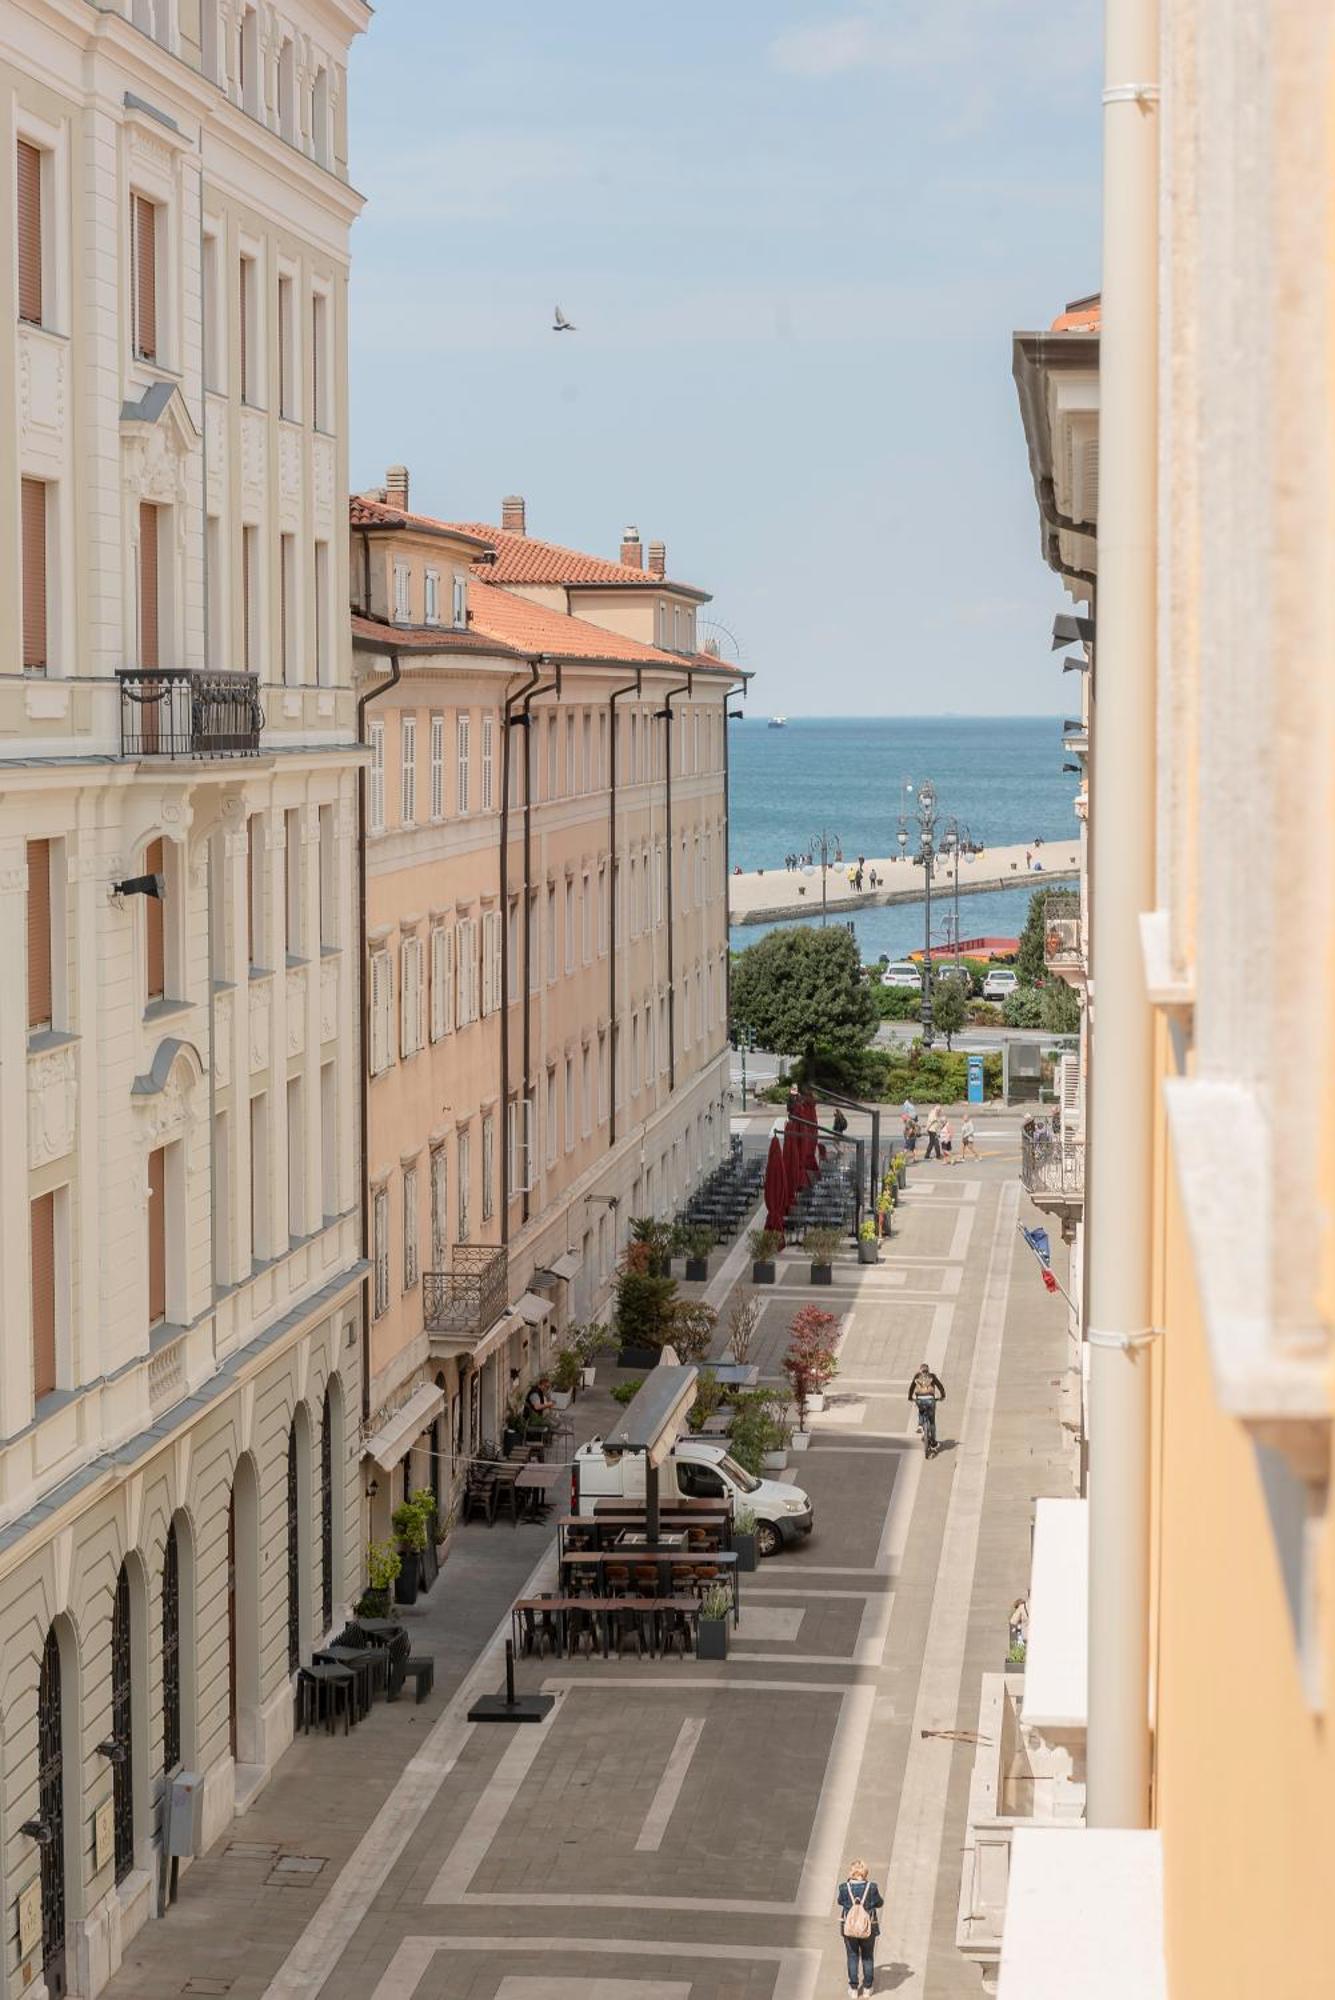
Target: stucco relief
[(222, 1039), (153, 468), (259, 1027), (42, 385), (289, 474), (322, 477), (296, 1011), (167, 1110), (252, 457), (329, 999), (51, 1105), (215, 443)]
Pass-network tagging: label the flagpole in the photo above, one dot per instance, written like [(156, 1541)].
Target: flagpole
[(1057, 1285)]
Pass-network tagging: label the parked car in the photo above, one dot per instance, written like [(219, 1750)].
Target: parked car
[(1000, 983), (903, 973), (694, 1470)]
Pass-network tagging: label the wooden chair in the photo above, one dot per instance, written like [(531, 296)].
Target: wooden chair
[(616, 1579)]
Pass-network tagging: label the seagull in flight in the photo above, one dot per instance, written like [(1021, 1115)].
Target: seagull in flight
[(563, 325)]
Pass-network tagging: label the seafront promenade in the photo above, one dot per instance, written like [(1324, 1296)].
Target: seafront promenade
[(776, 893)]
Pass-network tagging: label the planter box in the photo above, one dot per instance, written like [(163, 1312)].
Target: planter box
[(774, 1461), (815, 1403), (429, 1561), (586, 1376), (800, 1440), (763, 1274), (822, 1274), (711, 1642), (902, 1176), (697, 1270), (408, 1581), (639, 1358), (745, 1546), (563, 1398), (868, 1253)]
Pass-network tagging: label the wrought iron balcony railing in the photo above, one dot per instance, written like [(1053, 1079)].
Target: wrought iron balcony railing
[(465, 1300), (1063, 935), (1052, 1167), (174, 712)]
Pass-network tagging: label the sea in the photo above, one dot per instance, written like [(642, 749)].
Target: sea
[(1000, 776)]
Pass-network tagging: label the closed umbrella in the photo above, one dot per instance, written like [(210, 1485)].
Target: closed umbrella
[(776, 1188), (794, 1163)]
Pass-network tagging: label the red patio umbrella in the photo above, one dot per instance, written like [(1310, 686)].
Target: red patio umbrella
[(776, 1188), (794, 1154)]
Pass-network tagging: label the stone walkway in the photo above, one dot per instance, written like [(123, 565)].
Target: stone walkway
[(674, 1830)]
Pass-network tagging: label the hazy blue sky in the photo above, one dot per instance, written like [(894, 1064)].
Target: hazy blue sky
[(796, 237)]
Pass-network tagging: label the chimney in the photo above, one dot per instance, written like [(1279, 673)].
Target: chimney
[(657, 559), (632, 554), (512, 514), (396, 486)]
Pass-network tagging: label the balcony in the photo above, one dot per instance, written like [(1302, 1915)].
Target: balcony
[(1052, 1168), (461, 1303), (173, 712), (1063, 937)]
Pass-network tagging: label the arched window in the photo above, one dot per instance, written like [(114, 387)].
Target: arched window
[(327, 1510), (51, 1814), (293, 1553), (171, 1652), (122, 1727)]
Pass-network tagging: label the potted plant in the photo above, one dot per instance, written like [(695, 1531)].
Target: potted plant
[(868, 1252), (744, 1538), (708, 1397), (743, 1319), (810, 1361), (410, 1536), (901, 1167), (764, 1245), (644, 1300), (566, 1377), (425, 1502), (698, 1242), (711, 1632), (626, 1392), (822, 1244), (885, 1201), (1014, 1657), (383, 1564), (690, 1329), (658, 1240), (589, 1342)]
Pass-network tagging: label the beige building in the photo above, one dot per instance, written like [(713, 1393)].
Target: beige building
[(546, 940), (180, 1215)]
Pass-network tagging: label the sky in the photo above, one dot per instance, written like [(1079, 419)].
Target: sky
[(795, 239)]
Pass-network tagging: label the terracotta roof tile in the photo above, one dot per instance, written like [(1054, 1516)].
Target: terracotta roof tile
[(364, 511), (1081, 316), (524, 559), (425, 638), (532, 628)]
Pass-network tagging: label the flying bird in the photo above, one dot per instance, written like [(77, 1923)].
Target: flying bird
[(563, 325)]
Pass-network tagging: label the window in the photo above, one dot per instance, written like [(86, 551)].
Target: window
[(249, 352), (465, 1174), (602, 747), (408, 774), (287, 609), (157, 1236), (375, 811), (463, 729), (570, 1105), (570, 923), (440, 1211), (28, 182), (382, 1012), (551, 756), (442, 982), (213, 585), (289, 405), (602, 909), (328, 1140), (296, 1161), (437, 767), (586, 770), (261, 1207), (255, 858), (570, 756), (319, 367), (550, 1135), (551, 931), (633, 900), (634, 1054), (512, 948), (585, 920), (534, 945), (380, 1249), (432, 605), (42, 1235), (410, 991), (149, 650), (466, 944), (410, 1253), (586, 1091), (211, 305), (32, 508), (287, 90), (602, 1075), (402, 593), (459, 606), (320, 117), (488, 1166), (250, 599), (248, 62), (322, 660), (39, 935), (488, 762), (328, 862), (491, 961), (155, 967), (144, 277), (519, 1144)]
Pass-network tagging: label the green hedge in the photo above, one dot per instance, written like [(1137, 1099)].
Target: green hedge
[(928, 1076)]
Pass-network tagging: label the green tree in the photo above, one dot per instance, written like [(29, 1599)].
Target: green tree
[(1029, 962), (1060, 1009), (950, 1005), (803, 993), (1023, 1008)]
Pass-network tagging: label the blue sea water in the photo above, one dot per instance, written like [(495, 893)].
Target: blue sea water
[(1001, 776)]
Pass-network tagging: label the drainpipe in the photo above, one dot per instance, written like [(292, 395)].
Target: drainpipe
[(631, 687), (553, 686), (666, 714), (364, 991), (509, 721), (727, 863), (1121, 1095)]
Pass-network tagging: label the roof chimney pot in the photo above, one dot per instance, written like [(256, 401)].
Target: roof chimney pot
[(396, 486), (657, 559), (632, 551), (512, 514)]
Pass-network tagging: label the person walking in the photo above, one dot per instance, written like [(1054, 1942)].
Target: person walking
[(934, 1123), (860, 1902), (968, 1150), (947, 1143)]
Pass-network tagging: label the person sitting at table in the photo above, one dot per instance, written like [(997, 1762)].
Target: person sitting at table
[(538, 1404)]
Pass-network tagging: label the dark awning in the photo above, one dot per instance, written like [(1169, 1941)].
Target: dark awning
[(653, 1421)]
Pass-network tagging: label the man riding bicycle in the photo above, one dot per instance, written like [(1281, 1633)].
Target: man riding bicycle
[(926, 1391)]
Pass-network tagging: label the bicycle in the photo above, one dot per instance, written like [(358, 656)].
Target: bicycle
[(927, 1425)]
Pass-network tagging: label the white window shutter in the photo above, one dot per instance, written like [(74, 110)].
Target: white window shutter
[(437, 983), (419, 994), (461, 954), (405, 998), (447, 981)]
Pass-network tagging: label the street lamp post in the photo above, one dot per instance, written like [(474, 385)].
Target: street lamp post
[(926, 819), (746, 1041), (825, 840)]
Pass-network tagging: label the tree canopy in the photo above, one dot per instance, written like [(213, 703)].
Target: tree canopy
[(950, 1005), (802, 993)]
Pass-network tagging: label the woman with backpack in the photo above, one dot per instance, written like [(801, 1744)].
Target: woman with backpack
[(859, 1925)]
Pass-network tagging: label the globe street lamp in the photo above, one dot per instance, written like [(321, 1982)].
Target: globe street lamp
[(925, 818), (827, 842)]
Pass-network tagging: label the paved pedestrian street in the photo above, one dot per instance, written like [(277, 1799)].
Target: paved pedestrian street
[(675, 1829)]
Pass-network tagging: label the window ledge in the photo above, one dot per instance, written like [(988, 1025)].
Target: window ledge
[(259, 972), (1164, 983), (42, 1040), (293, 962), (165, 1010)]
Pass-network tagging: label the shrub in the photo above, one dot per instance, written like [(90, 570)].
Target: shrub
[(566, 1372), (743, 1319), (626, 1392), (763, 1244), (697, 1241), (690, 1328), (590, 1339), (657, 1239), (383, 1564), (1023, 1008), (867, 1231), (822, 1244), (716, 1602), (643, 1301)]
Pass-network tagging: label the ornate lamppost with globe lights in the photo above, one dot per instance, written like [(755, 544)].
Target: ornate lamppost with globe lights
[(925, 819)]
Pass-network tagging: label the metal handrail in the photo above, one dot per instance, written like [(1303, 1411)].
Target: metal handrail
[(470, 1296), (176, 712), (1052, 1164)]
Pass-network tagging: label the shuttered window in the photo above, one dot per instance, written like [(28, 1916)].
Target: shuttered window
[(29, 189), (488, 762), (411, 1257), (287, 556), (144, 238), (408, 772), (39, 934), (247, 594), (157, 1236), (148, 586), (155, 981), (32, 507), (375, 808), (442, 982), (463, 731), (42, 1213), (437, 767), (246, 283), (382, 1011), (410, 997)]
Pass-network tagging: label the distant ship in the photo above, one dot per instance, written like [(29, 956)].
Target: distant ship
[(778, 722)]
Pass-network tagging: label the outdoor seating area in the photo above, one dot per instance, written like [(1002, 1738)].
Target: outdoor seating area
[(370, 1657), (827, 1202), (724, 1201), (650, 1627), (516, 1488)]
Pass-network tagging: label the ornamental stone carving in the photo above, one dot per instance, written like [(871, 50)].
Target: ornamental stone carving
[(259, 1026), (296, 1010), (252, 458), (222, 1039), (322, 470), (51, 1105), (289, 473), (329, 999)]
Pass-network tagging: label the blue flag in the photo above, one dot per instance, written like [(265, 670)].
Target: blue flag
[(1037, 1239)]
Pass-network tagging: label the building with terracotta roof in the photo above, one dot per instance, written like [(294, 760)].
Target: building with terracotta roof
[(546, 953)]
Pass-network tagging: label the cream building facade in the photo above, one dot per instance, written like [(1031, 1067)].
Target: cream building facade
[(546, 912), (180, 1215)]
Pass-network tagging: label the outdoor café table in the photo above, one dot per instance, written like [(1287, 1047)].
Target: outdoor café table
[(368, 1664), (638, 1538), (679, 1513), (527, 1611), (537, 1481), (667, 1561), (735, 1374)]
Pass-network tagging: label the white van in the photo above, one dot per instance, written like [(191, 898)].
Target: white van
[(696, 1470)]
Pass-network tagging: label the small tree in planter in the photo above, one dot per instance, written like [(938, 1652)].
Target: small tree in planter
[(743, 1319), (810, 1362), (901, 1170), (383, 1564), (658, 1240), (697, 1242), (643, 1303), (691, 1326), (566, 1376), (589, 1341), (867, 1234), (711, 1641), (410, 1535), (822, 1244), (708, 1397), (764, 1245), (744, 1538)]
